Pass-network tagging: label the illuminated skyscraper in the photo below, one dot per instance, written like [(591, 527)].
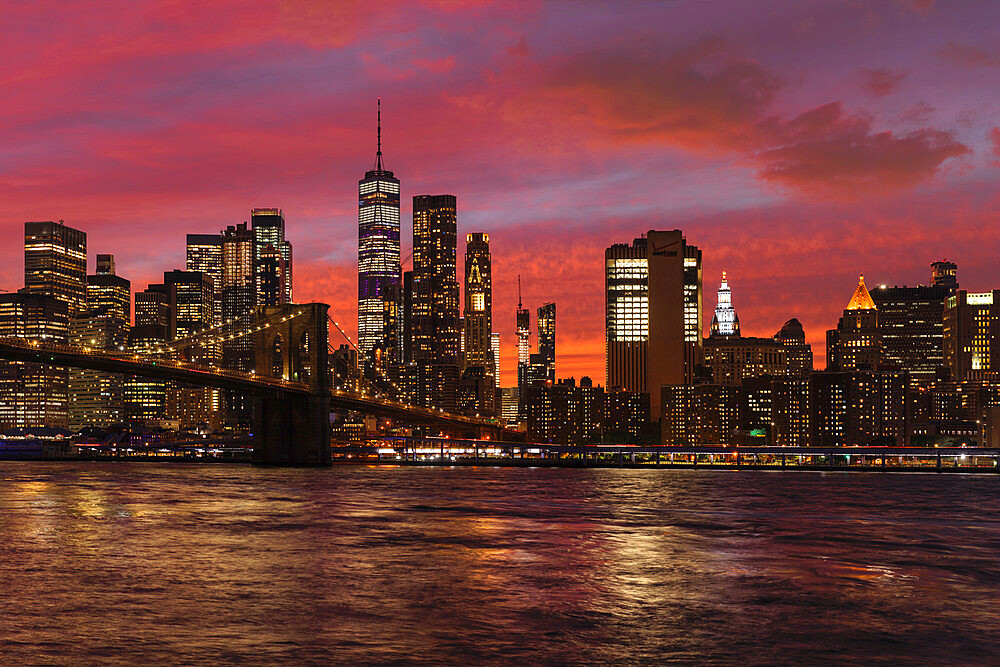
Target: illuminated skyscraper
[(96, 397), (237, 291), (856, 344), (478, 312), (192, 310), (523, 350), (547, 339), (33, 394), (495, 347), (109, 295), (378, 258), (272, 257), (55, 263), (434, 319), (725, 323), (910, 323), (653, 299), (146, 398), (204, 254), (972, 335)]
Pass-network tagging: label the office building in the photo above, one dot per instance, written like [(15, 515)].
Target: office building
[(725, 323), (798, 353), (856, 342), (944, 274), (653, 292), (204, 254), (910, 322), (272, 257), (547, 339), (378, 259), (971, 331), (523, 333), (191, 302), (55, 263), (477, 324), (434, 319), (109, 295), (146, 398), (33, 394), (731, 359), (495, 350), (96, 398)]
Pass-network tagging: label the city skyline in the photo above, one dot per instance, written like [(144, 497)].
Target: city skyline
[(735, 190)]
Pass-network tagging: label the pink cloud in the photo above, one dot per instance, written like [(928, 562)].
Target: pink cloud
[(880, 82)]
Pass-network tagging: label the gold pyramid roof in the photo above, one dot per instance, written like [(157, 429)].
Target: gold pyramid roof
[(861, 300)]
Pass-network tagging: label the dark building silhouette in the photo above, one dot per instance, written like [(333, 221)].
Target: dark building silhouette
[(798, 353)]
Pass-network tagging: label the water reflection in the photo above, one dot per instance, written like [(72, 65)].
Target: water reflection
[(179, 563)]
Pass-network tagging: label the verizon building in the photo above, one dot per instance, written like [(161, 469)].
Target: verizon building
[(653, 314)]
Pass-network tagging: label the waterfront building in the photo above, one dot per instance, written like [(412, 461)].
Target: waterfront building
[(272, 257), (565, 413), (856, 342), (854, 408), (55, 263), (547, 339), (33, 394), (653, 292), (626, 418), (971, 332), (790, 423), (510, 405), (725, 322), (434, 317), (700, 414), (378, 259), (798, 353)]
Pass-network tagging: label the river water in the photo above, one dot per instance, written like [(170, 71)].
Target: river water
[(172, 563)]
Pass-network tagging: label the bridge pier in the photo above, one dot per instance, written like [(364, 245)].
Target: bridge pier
[(291, 430)]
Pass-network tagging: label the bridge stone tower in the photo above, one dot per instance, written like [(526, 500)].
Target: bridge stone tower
[(290, 428)]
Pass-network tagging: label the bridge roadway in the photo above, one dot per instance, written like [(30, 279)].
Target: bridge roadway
[(54, 354)]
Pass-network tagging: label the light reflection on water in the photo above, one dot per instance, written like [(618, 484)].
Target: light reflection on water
[(181, 563)]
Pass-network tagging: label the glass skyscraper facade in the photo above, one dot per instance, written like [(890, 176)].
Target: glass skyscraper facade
[(55, 263), (378, 260)]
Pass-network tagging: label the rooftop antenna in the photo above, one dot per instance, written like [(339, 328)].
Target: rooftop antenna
[(378, 155), (519, 291)]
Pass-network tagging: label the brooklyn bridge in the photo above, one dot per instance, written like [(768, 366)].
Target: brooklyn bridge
[(290, 383)]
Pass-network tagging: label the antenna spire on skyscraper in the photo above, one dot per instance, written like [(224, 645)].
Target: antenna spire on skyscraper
[(378, 155), (519, 291)]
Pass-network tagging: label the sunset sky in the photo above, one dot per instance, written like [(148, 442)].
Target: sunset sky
[(798, 143)]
